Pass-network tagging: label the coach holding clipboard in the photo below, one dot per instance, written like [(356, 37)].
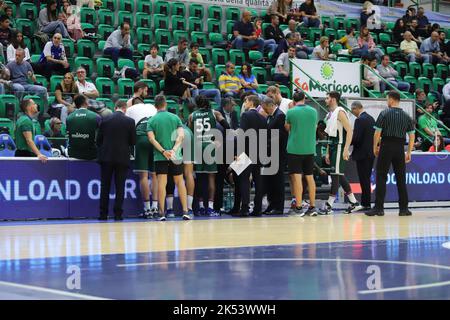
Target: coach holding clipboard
[(392, 126)]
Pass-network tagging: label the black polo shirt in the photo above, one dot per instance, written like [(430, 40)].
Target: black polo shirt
[(394, 123)]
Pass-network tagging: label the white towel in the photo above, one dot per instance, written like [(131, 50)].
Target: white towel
[(332, 122)]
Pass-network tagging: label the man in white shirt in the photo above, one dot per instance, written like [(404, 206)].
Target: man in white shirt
[(410, 49), (84, 87), (153, 64), (274, 93)]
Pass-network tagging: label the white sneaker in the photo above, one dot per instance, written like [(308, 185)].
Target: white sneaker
[(162, 219)]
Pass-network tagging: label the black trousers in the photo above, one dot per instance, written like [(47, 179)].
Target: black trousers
[(244, 187), (220, 181), (391, 152), (274, 187), (108, 171), (364, 168)]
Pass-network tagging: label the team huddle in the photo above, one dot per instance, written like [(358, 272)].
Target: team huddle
[(194, 155)]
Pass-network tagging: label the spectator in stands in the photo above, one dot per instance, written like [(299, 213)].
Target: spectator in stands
[(274, 93), (140, 93), (309, 14), (3, 6), (411, 51), (390, 74), (49, 23), (446, 92), (413, 28), (366, 12), (153, 65), (25, 132), (248, 80), (229, 83), (179, 52), (409, 16), (423, 23), (365, 41), (281, 9), (192, 75), (17, 42), (440, 143), (430, 46), (269, 44), (273, 31), (444, 46), (74, 22), (283, 67), (20, 73), (429, 125), (350, 42), (84, 87), (53, 58), (421, 100), (65, 93), (55, 129), (5, 34), (371, 80), (244, 34), (12, 19), (202, 69), (322, 51), (174, 83), (399, 30), (118, 44), (292, 28)]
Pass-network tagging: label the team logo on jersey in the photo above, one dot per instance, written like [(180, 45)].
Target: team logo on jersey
[(327, 71)]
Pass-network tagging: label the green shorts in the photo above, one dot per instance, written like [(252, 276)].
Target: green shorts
[(143, 155), (337, 161)]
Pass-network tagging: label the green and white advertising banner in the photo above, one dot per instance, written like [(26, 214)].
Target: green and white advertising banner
[(317, 77)]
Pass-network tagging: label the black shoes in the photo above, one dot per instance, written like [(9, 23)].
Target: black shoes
[(118, 218), (275, 212), (405, 213), (374, 212), (102, 218)]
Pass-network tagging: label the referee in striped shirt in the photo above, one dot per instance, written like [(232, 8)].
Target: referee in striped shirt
[(392, 126)]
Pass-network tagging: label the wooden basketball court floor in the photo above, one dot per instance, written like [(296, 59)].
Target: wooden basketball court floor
[(287, 257)]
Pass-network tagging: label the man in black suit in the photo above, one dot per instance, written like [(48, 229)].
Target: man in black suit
[(274, 183), (362, 142), (251, 123), (115, 138)]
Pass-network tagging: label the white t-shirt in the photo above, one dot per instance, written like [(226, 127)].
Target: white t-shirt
[(141, 111), (284, 105), (48, 52), (154, 62), (87, 87), (11, 53)]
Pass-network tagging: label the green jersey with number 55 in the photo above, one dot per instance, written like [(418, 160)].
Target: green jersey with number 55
[(203, 121)]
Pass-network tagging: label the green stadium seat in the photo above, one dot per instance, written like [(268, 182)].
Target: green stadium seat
[(163, 49), (237, 56), (219, 56), (178, 34), (125, 16), (105, 67), (125, 87), (209, 85), (315, 34), (415, 69), (104, 30), (88, 15), (9, 106), (101, 45), (54, 80), (390, 25), (326, 21), (161, 21), (105, 86), (27, 11), (8, 124), (255, 13), (145, 6), (141, 64), (285, 91), (339, 23), (86, 63), (438, 84), (26, 26), (163, 36), (230, 25), (69, 47), (214, 25), (195, 24), (375, 94), (215, 12), (391, 50), (178, 8), (199, 37), (162, 7), (41, 80), (331, 34), (215, 38), (335, 47), (178, 23), (442, 71), (206, 54), (126, 5), (260, 74), (85, 48), (144, 35), (143, 20), (108, 103), (233, 13), (428, 70), (401, 67), (385, 38), (125, 62), (341, 33), (343, 59), (106, 16), (143, 48), (262, 88), (353, 23), (152, 90), (35, 58), (196, 10), (411, 80), (218, 70), (425, 84), (254, 55), (109, 4)]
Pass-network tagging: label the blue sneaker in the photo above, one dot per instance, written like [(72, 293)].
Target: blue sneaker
[(170, 214), (201, 212), (188, 215), (212, 213)]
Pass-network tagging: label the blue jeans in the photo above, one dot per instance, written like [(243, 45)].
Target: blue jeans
[(400, 85), (377, 52), (117, 53), (239, 43), (231, 94), (21, 89), (308, 23), (56, 27), (360, 51), (271, 45), (412, 57), (210, 93)]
